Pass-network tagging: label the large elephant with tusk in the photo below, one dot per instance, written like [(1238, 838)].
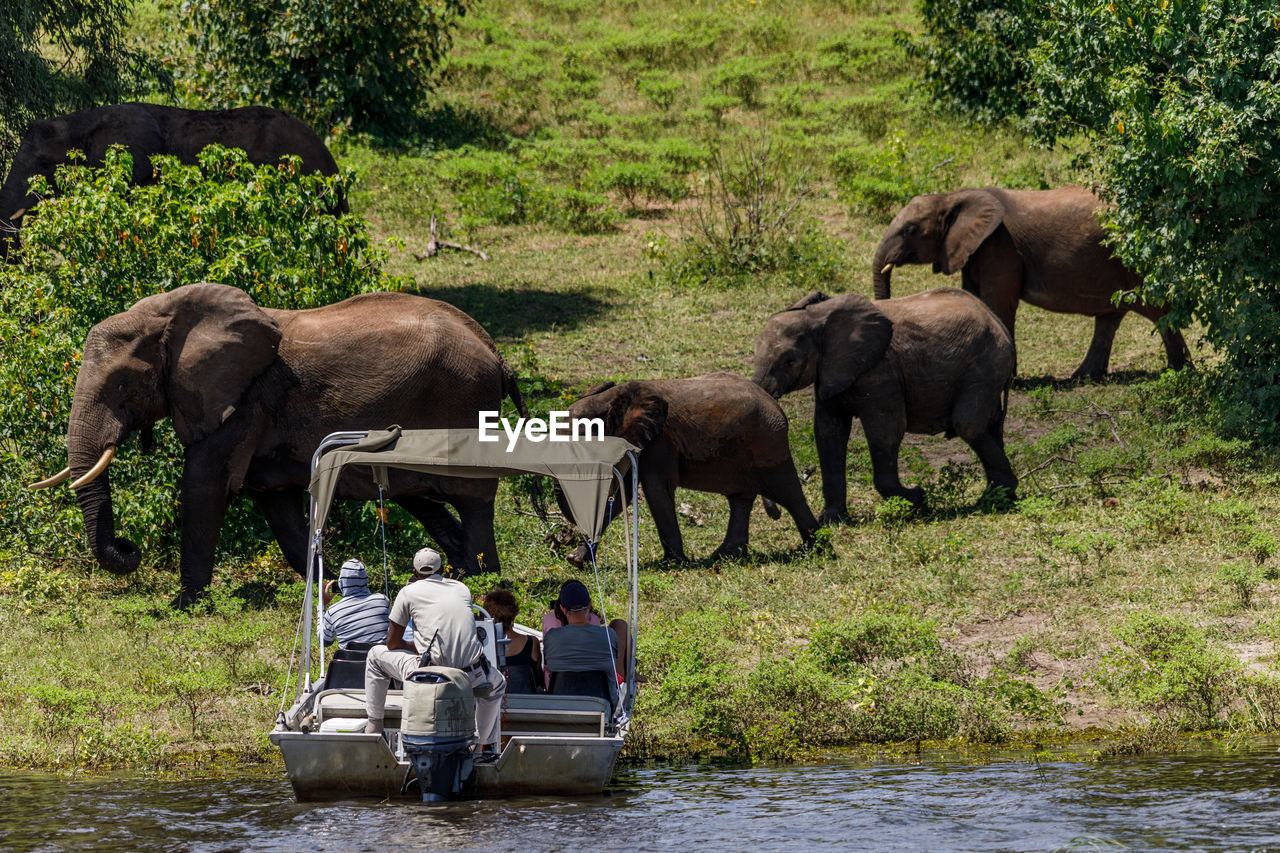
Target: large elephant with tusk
[(251, 392)]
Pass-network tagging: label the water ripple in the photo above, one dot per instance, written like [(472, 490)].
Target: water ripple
[(1196, 802)]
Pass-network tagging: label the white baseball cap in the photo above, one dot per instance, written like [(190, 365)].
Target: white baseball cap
[(427, 562)]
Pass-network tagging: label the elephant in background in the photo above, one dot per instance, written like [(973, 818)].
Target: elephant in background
[(1042, 246), (264, 134), (252, 391), (716, 433), (934, 362)]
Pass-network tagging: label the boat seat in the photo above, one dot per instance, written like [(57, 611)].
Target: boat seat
[(544, 714), (581, 661), (350, 704)]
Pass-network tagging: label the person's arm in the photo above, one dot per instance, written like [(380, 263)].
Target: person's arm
[(395, 637), (536, 654)]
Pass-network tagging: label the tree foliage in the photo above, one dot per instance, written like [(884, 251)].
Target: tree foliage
[(64, 56), (975, 54), (1181, 101), (100, 245), (365, 64)]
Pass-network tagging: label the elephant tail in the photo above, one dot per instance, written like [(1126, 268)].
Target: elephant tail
[(1004, 402), (511, 389), (771, 508)]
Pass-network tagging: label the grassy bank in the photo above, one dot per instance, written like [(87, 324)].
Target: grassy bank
[(1135, 582)]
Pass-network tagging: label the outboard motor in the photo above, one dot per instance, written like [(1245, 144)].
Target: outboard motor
[(436, 729)]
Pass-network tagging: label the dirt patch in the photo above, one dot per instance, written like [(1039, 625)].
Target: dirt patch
[(987, 642)]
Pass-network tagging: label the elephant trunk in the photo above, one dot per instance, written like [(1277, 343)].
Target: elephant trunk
[(882, 268), (90, 435)]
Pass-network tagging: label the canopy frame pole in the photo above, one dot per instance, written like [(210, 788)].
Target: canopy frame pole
[(315, 563), (634, 571)]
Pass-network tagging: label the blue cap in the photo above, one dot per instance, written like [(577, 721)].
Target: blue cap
[(574, 595)]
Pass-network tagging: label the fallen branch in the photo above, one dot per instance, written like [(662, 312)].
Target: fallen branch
[(1111, 422), (434, 246), (1045, 464), (1098, 484)]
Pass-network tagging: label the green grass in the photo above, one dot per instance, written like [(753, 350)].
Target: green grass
[(1129, 505)]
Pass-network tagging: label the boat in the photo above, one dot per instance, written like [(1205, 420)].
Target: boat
[(550, 744)]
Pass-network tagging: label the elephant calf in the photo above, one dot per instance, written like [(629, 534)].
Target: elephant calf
[(934, 362), (1041, 246), (715, 433)]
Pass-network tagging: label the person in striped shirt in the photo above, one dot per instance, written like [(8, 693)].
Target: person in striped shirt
[(359, 616)]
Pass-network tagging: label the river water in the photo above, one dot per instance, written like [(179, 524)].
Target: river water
[(1202, 801)]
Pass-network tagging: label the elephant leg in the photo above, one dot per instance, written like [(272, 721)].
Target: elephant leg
[(831, 434), (989, 446), (660, 494), (884, 439), (440, 525), (1095, 362), (782, 486), (1175, 346), (287, 519), (734, 545), (204, 498), (994, 274), (481, 547)]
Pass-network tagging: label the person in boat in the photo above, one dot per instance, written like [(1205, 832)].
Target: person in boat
[(359, 616), (444, 635), (576, 642), (524, 658)]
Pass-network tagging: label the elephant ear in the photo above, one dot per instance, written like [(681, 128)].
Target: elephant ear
[(855, 336), (598, 389), (216, 343), (636, 414), (971, 218), (813, 297)]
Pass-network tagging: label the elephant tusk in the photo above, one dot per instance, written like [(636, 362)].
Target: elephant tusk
[(17, 214), (98, 468), (887, 267), (60, 477)]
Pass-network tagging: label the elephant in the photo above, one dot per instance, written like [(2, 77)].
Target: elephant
[(715, 433), (1042, 246), (265, 134), (251, 393), (933, 362)]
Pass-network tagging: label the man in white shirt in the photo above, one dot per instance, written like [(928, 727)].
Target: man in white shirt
[(443, 629)]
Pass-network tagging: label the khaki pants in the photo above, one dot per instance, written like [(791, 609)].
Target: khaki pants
[(384, 664)]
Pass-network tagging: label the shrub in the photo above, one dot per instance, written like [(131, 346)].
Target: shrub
[(742, 78), (846, 648), (1166, 665), (647, 180), (877, 180), (789, 706), (365, 63), (659, 88), (1240, 580), (99, 246), (749, 220)]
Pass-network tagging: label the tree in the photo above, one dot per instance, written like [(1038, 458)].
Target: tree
[(975, 54), (366, 64), (1180, 100), (64, 56)]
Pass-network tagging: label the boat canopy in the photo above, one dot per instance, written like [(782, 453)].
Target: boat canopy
[(584, 469)]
